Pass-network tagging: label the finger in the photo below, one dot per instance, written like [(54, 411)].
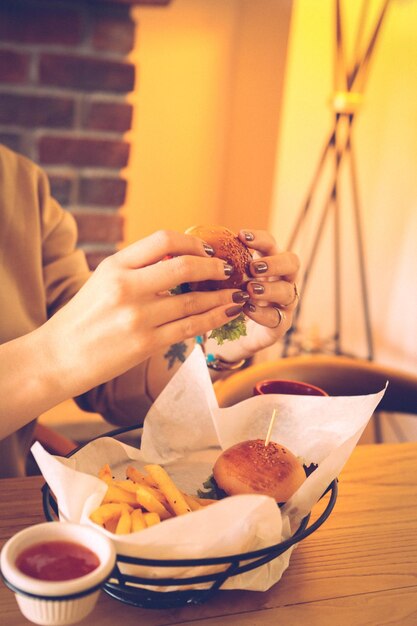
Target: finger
[(157, 246), (167, 309), (270, 316), (284, 264), (281, 292), (260, 240), (194, 325), (182, 269)]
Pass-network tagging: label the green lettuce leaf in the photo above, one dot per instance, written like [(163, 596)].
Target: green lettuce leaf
[(230, 331), (211, 490)]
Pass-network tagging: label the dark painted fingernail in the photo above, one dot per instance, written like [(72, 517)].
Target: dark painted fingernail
[(233, 310), (240, 296), (260, 267), (251, 307), (228, 269), (258, 288), (208, 249), (249, 236)]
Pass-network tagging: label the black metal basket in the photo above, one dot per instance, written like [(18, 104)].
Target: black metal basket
[(134, 590)]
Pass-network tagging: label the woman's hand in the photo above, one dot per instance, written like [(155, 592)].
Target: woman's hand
[(273, 297), (125, 312), (121, 316)]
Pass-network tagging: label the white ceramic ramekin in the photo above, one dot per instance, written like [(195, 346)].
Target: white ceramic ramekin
[(63, 602)]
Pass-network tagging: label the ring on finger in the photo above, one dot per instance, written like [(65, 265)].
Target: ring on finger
[(295, 296), (281, 315)]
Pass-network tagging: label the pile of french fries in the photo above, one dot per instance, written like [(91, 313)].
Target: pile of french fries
[(141, 500)]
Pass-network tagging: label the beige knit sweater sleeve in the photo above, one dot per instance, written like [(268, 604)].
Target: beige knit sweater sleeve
[(41, 269)]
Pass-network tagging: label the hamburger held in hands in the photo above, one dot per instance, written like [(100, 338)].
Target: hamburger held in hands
[(228, 247), (253, 467)]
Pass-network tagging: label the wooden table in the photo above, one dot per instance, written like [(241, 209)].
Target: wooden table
[(359, 568)]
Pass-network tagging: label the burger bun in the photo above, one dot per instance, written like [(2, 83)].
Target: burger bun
[(252, 467), (228, 247)]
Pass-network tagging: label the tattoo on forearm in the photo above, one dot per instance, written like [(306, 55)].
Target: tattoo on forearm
[(176, 352)]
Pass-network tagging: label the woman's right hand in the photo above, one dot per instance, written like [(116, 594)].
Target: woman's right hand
[(125, 313)]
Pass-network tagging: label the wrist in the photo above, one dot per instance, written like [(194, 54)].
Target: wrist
[(231, 351), (53, 378), (219, 364), (27, 382)]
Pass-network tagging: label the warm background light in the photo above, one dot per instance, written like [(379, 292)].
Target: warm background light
[(231, 112), (386, 149), (208, 100), (206, 120)]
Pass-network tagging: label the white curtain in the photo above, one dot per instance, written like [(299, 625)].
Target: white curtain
[(385, 138)]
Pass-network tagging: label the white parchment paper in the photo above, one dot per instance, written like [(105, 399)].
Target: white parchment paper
[(185, 431)]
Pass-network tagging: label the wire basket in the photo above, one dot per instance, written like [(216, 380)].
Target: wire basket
[(137, 590)]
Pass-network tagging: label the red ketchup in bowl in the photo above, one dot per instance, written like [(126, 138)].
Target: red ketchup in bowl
[(57, 560)]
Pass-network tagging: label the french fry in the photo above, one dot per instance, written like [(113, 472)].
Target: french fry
[(138, 477), (195, 503), (105, 473), (151, 519), (115, 494), (204, 501), (165, 483), (128, 485), (137, 520), (147, 500), (142, 500), (192, 502), (111, 524), (108, 511), (124, 524)]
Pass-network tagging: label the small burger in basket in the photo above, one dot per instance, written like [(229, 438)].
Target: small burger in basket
[(254, 466)]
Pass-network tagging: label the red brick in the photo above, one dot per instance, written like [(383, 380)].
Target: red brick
[(61, 188), (102, 191), (99, 227), (94, 258), (83, 152), (25, 110), (14, 66), (25, 22), (114, 116), (86, 73), (113, 33)]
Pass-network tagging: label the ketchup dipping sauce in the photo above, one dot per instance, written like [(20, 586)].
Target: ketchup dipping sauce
[(56, 570), (57, 560)]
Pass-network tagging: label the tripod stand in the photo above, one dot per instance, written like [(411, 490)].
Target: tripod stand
[(338, 148)]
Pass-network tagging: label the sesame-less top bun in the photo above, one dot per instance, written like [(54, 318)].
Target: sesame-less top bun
[(229, 248), (252, 467)]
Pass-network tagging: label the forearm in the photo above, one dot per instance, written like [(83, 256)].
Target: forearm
[(163, 365), (161, 368), (30, 381), (126, 399)]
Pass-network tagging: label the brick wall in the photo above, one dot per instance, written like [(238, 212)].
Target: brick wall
[(64, 82)]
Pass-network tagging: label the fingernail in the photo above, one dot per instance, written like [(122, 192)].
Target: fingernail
[(208, 249), (251, 307), (240, 296), (258, 288), (228, 269), (260, 267), (249, 236), (233, 310)]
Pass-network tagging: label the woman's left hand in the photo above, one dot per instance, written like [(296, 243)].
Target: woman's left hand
[(273, 296)]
